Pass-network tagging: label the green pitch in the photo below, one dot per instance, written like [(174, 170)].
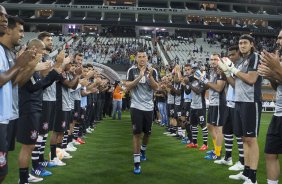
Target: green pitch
[(107, 158)]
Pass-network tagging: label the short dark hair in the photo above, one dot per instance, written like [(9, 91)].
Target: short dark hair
[(78, 54), (43, 35), (188, 65), (89, 65), (233, 47), (141, 50), (13, 20)]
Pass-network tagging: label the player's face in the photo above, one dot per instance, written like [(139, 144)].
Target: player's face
[(245, 46), (48, 41), (142, 59), (233, 55), (3, 20), (188, 70), (279, 40), (17, 34), (213, 61), (78, 60), (41, 48)]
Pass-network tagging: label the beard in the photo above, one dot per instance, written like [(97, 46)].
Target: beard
[(49, 49)]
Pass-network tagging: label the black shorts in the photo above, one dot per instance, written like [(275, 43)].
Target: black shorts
[(247, 119), (28, 127), (170, 110), (198, 116), (141, 121), (3, 150), (62, 121), (214, 115), (186, 109), (228, 121), (76, 112), (12, 133), (177, 111), (48, 116), (273, 144)]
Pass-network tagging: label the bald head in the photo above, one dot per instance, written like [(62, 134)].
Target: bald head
[(38, 44), (3, 20)]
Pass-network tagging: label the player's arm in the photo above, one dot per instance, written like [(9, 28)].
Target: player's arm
[(85, 92), (218, 86), (43, 83), (152, 79), (22, 61), (71, 83), (274, 84), (131, 82), (230, 81), (252, 75), (249, 78), (198, 90)]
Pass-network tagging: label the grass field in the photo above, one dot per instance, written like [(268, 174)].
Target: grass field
[(107, 158)]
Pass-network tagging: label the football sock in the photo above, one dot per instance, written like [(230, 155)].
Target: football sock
[(189, 131), (42, 148), (246, 171), (240, 149), (23, 172), (228, 142), (218, 150), (65, 140), (35, 152), (53, 151), (272, 181), (253, 175), (195, 134), (136, 158), (205, 135)]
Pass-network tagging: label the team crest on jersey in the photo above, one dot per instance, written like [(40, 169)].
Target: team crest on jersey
[(33, 134), (75, 114), (246, 62), (195, 84), (3, 160), (63, 124), (45, 126)]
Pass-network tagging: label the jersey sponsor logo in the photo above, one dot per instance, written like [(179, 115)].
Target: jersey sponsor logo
[(45, 126), (3, 160), (63, 124), (33, 134)]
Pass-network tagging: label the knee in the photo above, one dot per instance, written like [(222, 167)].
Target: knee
[(147, 135), (271, 157), (250, 140), (28, 148)]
